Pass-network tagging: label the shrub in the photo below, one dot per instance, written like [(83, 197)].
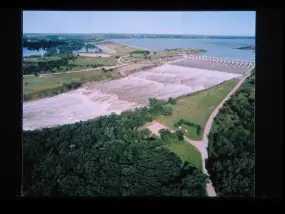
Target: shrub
[(180, 135), (171, 101), (167, 109)]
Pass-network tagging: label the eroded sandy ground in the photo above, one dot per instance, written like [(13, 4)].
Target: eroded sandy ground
[(118, 95)]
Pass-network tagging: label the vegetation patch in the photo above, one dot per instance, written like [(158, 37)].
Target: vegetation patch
[(196, 108), (186, 151), (54, 64), (39, 87), (231, 144), (106, 156)]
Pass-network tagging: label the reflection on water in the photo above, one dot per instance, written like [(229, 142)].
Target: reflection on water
[(41, 52), (27, 52)]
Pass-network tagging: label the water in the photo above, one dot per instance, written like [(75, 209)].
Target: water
[(83, 50), (27, 52), (41, 52), (216, 47)]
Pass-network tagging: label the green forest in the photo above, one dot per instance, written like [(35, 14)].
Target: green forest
[(107, 156), (231, 144)]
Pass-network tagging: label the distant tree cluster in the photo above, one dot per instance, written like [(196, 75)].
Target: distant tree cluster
[(107, 156), (159, 107), (35, 45), (43, 66), (231, 144)]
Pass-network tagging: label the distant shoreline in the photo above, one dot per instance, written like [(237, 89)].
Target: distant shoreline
[(129, 45)]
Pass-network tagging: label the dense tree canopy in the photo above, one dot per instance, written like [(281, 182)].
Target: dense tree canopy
[(107, 156), (231, 144)]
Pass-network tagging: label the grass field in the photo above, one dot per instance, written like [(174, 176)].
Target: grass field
[(154, 55), (197, 107), (81, 62), (186, 152), (38, 59), (84, 61), (32, 84), (120, 48)]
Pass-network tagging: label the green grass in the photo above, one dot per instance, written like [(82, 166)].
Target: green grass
[(158, 54), (84, 61), (39, 59), (186, 152), (41, 83), (80, 63), (197, 107), (121, 49)]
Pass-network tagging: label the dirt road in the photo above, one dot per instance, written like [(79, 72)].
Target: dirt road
[(202, 145), (155, 126)]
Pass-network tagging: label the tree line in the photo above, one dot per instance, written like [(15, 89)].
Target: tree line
[(52, 46), (106, 156), (190, 124), (231, 144), (43, 66), (38, 44)]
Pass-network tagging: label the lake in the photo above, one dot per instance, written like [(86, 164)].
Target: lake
[(215, 47), (27, 52), (41, 52)]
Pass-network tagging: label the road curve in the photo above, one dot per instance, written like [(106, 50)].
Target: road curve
[(202, 145)]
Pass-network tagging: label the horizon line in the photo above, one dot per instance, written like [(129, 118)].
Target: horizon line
[(151, 34)]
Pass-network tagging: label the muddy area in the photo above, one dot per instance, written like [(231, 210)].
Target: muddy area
[(118, 95)]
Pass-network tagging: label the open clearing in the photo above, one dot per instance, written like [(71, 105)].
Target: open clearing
[(186, 152), (84, 61), (118, 95), (32, 84), (116, 48), (197, 107)]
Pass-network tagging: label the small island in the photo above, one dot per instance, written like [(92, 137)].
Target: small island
[(246, 48)]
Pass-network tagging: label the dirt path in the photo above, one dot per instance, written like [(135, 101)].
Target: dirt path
[(120, 61), (202, 145), (155, 126)]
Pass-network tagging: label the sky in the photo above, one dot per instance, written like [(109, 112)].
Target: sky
[(236, 23)]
